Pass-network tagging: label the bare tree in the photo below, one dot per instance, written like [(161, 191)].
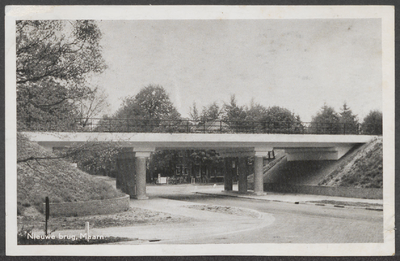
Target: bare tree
[(92, 106)]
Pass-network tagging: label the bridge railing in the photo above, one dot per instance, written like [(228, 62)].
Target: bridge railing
[(191, 126)]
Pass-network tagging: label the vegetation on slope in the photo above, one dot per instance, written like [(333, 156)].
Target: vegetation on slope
[(364, 170), (41, 173)]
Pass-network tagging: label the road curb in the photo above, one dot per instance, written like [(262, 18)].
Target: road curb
[(293, 202)]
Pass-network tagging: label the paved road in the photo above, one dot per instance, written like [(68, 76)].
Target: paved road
[(297, 223), (291, 223)]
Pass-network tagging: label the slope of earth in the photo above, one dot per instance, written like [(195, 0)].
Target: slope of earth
[(360, 167), (41, 173), (364, 170)]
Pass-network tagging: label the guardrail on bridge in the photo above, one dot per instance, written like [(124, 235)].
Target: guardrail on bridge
[(191, 126)]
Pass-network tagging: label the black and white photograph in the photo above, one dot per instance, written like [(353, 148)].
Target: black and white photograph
[(200, 130)]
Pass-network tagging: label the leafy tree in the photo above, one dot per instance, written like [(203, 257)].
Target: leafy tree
[(234, 115), (255, 112), (211, 112), (43, 107), (53, 61), (154, 103), (281, 120), (278, 114), (348, 120), (274, 119), (149, 110), (326, 121), (372, 123)]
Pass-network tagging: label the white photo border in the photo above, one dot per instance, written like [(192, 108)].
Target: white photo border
[(385, 13)]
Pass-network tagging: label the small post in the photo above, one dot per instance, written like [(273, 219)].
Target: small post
[(47, 214), (87, 230)]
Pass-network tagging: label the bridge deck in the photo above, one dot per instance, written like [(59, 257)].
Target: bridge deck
[(196, 140)]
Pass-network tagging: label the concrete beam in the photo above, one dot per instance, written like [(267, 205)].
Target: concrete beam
[(328, 153), (195, 140)]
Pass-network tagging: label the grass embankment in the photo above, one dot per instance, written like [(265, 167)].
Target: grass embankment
[(46, 175), (362, 170)]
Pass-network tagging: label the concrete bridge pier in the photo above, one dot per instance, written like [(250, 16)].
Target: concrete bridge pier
[(141, 156), (140, 162), (258, 172), (243, 170), (258, 176)]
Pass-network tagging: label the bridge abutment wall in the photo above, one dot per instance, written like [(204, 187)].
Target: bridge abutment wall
[(369, 193)]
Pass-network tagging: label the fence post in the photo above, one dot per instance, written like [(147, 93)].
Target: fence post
[(47, 214), (344, 128), (187, 124)]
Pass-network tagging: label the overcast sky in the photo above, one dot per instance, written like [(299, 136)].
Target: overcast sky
[(296, 64)]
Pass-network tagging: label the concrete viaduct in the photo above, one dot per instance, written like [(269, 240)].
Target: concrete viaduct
[(297, 147)]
